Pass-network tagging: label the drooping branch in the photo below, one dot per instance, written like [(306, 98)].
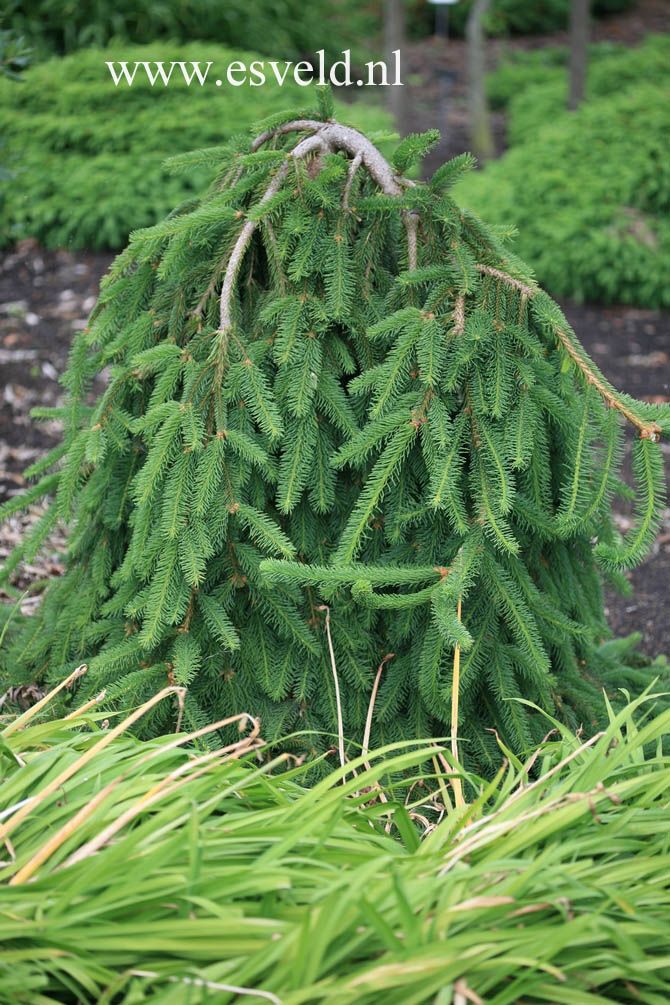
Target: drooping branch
[(345, 138), (296, 126), (647, 429), (239, 249), (516, 284), (302, 149), (334, 136)]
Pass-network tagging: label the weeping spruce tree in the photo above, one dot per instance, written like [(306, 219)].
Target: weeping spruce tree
[(346, 446)]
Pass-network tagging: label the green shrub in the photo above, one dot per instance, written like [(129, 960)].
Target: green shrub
[(145, 872), (284, 29), (595, 183), (533, 87), (92, 153)]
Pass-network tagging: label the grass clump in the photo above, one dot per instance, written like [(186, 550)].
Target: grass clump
[(149, 871), (593, 221), (88, 156)]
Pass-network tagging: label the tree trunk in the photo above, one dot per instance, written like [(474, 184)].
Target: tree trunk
[(579, 40), (394, 38), (481, 136)]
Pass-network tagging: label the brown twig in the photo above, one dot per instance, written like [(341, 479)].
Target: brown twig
[(456, 783), (237, 254), (371, 706), (504, 277), (459, 315), (411, 222), (647, 430)]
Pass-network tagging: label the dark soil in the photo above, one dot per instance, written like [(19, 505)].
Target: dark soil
[(45, 296)]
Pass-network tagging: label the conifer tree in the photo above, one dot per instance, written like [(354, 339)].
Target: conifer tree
[(345, 440)]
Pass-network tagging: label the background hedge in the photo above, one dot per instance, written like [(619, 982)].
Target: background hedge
[(88, 156)]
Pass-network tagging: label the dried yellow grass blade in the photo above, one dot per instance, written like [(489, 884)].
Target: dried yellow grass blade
[(21, 720), (20, 815)]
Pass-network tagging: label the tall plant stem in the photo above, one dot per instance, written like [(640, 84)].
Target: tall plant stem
[(455, 683), (340, 724)]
